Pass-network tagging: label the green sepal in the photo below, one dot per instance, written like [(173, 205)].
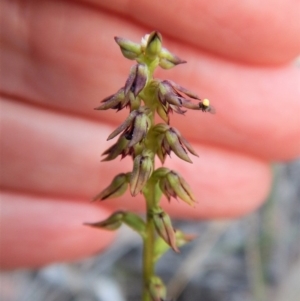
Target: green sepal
[(129, 49), (117, 188), (135, 222), (113, 222), (169, 60)]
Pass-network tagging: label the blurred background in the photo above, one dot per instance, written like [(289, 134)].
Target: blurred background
[(255, 258)]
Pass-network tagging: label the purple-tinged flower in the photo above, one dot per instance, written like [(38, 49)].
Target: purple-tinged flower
[(178, 143), (142, 170), (119, 100), (135, 127), (119, 148), (170, 139), (171, 93), (137, 79), (174, 185), (172, 97), (164, 228)]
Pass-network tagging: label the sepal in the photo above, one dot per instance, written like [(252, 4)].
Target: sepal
[(169, 60), (117, 188), (113, 222), (119, 148), (164, 228), (130, 50), (115, 101)]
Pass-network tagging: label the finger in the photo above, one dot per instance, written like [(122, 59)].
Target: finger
[(52, 154), (73, 72), (36, 230), (240, 30)]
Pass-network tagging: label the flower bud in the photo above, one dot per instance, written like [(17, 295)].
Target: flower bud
[(153, 46), (168, 60), (142, 170), (157, 289), (129, 49), (113, 222), (117, 188), (164, 228)]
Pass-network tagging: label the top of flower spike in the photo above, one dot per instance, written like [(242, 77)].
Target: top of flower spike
[(150, 48)]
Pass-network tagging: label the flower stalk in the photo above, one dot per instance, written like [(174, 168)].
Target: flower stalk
[(142, 139)]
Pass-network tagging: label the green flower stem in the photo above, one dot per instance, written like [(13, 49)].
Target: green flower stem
[(148, 254), (152, 195)]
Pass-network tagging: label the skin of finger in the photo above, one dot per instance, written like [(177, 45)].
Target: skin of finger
[(58, 155), (36, 230), (240, 30), (56, 67)]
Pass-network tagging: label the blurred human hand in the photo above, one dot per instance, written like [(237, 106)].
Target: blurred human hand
[(59, 59)]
